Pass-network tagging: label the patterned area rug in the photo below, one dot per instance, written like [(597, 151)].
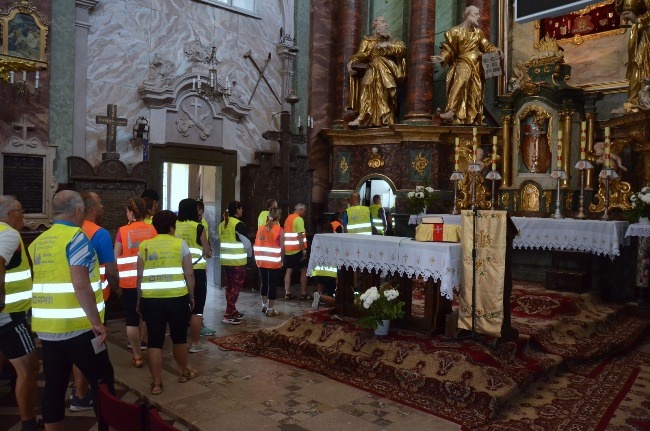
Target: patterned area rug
[(557, 374)]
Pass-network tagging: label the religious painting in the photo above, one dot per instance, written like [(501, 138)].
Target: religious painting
[(534, 144), (24, 37), (595, 21), (420, 164)]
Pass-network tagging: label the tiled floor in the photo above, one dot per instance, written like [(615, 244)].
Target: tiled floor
[(235, 391)]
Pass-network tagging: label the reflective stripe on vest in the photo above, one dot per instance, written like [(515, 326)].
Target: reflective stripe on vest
[(55, 308), (267, 253), (291, 237), (359, 220), (232, 252), (187, 230), (163, 275), (377, 222), (127, 263), (324, 271), (18, 281)]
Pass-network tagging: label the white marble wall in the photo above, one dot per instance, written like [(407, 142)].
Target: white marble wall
[(125, 35)]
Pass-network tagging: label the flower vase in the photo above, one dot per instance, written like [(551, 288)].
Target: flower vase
[(382, 328), (644, 220)]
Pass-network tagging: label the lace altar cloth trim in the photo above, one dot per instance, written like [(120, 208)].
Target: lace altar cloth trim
[(638, 229), (437, 260), (595, 236)]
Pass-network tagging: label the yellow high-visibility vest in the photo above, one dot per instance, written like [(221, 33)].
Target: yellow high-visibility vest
[(359, 220), (18, 282), (162, 275), (187, 231), (232, 252)]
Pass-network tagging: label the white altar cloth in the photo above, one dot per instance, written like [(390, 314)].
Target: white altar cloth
[(437, 260), (638, 229), (594, 236)]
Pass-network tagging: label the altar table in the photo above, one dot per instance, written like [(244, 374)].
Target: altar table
[(592, 236), (437, 262)]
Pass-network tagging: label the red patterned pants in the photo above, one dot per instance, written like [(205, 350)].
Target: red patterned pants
[(235, 276)]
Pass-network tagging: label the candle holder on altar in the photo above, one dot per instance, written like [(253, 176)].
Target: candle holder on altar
[(475, 168), (455, 177), (559, 175), (607, 175), (494, 177), (582, 166)]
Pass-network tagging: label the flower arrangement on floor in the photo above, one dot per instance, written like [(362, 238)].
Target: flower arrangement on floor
[(379, 304), (420, 199), (640, 204)]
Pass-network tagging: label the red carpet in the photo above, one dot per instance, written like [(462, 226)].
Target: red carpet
[(559, 376)]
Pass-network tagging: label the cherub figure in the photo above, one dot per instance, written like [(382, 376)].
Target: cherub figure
[(615, 161)]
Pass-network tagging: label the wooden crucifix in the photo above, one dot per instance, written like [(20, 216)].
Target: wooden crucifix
[(112, 121), (286, 138)]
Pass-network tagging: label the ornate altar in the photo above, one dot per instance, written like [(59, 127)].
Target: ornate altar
[(541, 133)]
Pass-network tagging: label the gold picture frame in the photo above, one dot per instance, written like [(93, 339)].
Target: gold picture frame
[(23, 38)]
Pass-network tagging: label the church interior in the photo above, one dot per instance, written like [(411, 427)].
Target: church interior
[(529, 124)]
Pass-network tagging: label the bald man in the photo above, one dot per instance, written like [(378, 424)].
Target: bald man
[(357, 219)]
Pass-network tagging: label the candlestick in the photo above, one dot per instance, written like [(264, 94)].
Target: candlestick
[(583, 141), (474, 148), (456, 153), (474, 131), (607, 149), (494, 153), (24, 76), (558, 163)]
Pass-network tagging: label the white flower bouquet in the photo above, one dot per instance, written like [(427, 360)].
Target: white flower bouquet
[(640, 204), (379, 304), (420, 199)]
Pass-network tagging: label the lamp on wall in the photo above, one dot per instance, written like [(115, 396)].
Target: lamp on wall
[(141, 129), (208, 86), (16, 73)]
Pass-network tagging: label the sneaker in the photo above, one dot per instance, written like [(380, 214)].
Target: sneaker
[(272, 312), (237, 315), (231, 320), (79, 405), (205, 331), (198, 347), (314, 303), (264, 308), (143, 345)]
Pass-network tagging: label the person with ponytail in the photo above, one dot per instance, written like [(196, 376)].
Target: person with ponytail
[(269, 250), (127, 243), (234, 252)]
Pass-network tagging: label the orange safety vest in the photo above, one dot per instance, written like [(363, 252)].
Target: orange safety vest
[(91, 229), (335, 225), (127, 263), (291, 244), (268, 254)]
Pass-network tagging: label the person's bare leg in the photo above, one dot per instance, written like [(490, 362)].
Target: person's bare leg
[(180, 355), (303, 281), (133, 334), (287, 281), (80, 383), (55, 426), (26, 388), (144, 335), (155, 364), (196, 323)]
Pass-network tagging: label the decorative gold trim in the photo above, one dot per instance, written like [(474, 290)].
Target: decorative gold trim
[(375, 176), (420, 163), (607, 87), (343, 165)]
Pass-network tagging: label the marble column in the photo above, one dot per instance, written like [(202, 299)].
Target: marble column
[(566, 117), (419, 70), (484, 7), (347, 25)]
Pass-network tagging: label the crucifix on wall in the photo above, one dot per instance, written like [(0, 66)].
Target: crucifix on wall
[(111, 121), (286, 138)]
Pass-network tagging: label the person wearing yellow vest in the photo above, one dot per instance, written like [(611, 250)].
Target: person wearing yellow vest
[(378, 215), (268, 247), (16, 342), (166, 296), (234, 252), (263, 217), (151, 199), (326, 275), (193, 233), (68, 308), (127, 245), (100, 239), (295, 251), (356, 218)]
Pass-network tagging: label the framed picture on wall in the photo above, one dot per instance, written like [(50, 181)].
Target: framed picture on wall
[(23, 36)]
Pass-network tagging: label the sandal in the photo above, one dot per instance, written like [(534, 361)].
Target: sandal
[(137, 362), (189, 374), (156, 388), (289, 296), (306, 296)]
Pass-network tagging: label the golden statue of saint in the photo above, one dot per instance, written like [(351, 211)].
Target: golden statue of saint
[(638, 48), (374, 96), (462, 50)]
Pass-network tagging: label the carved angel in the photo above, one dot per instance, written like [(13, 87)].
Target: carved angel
[(195, 51), (614, 159)]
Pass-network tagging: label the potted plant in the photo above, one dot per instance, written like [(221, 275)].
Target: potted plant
[(380, 306), (640, 206), (420, 199)]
